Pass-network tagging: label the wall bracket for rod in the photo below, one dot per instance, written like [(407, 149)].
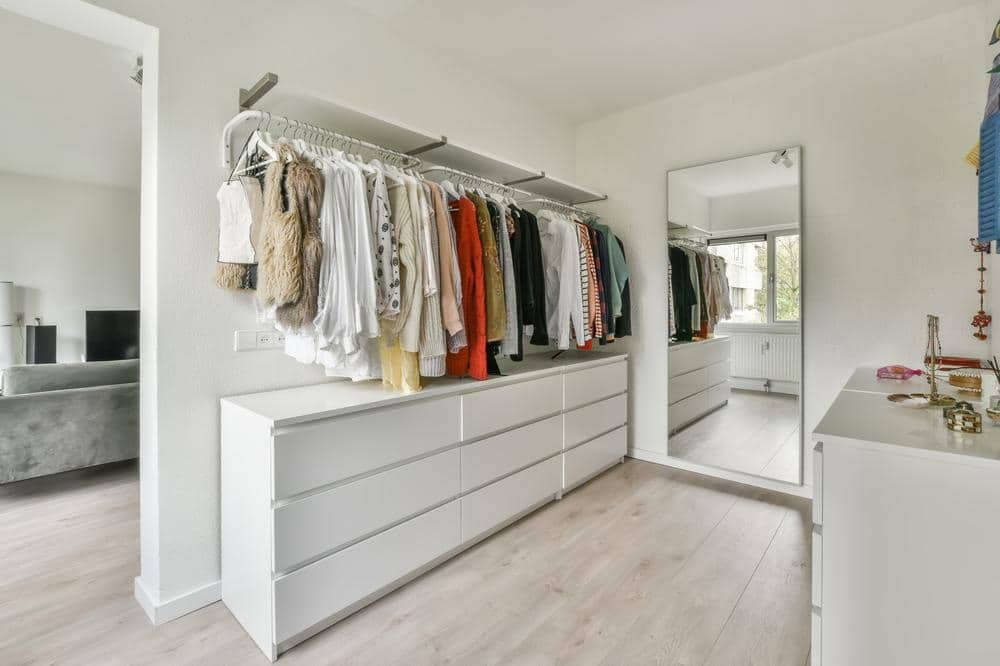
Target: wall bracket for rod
[(540, 175), (264, 84), (587, 201), (430, 146)]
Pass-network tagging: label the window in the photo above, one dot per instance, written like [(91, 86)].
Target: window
[(763, 274)]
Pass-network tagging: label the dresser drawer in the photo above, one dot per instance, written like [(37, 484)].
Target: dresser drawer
[(687, 410), (818, 483), (588, 422), (686, 385), (316, 454), (498, 502), (816, 640), (817, 566), (690, 356), (491, 410), (718, 372), (325, 521), (717, 395), (592, 384), (324, 588), (586, 460), (490, 458)]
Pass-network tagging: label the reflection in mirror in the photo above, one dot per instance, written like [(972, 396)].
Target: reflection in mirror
[(734, 304)]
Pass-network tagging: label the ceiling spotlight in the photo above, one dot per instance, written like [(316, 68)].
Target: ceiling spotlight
[(781, 157)]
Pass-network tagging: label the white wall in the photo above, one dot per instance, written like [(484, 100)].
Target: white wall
[(68, 247), (889, 204), (778, 206), (207, 52)]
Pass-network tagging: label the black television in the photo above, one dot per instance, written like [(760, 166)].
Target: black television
[(112, 335)]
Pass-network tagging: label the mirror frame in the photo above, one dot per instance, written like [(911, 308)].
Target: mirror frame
[(758, 480)]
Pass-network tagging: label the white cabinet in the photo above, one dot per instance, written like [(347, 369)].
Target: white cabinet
[(905, 542), (336, 494), (698, 380)]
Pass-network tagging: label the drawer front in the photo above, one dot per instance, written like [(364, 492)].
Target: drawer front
[(818, 484), (693, 355), (816, 652), (586, 460), (718, 394), (490, 506), (493, 457), (718, 373), (486, 412), (686, 385), (327, 520), (313, 455), (687, 410), (316, 592), (592, 384), (588, 422), (817, 566)]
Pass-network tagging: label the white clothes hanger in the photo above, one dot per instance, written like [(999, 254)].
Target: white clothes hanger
[(450, 189)]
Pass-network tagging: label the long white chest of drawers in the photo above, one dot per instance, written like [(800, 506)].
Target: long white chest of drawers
[(905, 542), (334, 495)]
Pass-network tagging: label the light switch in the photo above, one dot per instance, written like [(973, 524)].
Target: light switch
[(262, 339)]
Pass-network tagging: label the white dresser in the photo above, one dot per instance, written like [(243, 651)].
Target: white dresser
[(906, 542), (335, 494), (698, 379)]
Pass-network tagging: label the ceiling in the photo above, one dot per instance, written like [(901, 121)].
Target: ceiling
[(69, 109), (587, 58), (736, 176)]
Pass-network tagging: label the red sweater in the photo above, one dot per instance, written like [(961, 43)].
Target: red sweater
[(471, 360)]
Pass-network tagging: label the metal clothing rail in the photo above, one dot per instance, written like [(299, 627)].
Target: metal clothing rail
[(307, 131), (564, 207), (465, 176)]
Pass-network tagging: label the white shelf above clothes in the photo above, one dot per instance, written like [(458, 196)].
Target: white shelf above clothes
[(431, 147), (481, 163), (348, 120), (678, 230), (561, 190)]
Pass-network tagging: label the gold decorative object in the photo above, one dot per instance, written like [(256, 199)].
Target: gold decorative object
[(932, 362), (981, 320), (994, 415), (968, 381), (964, 420)]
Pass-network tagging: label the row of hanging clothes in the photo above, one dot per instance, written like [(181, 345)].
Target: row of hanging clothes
[(374, 271), (698, 295)]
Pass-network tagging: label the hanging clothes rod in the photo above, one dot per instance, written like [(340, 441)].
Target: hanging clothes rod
[(473, 178), (290, 128), (564, 207)]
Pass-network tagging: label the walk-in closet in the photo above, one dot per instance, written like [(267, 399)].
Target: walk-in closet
[(540, 333)]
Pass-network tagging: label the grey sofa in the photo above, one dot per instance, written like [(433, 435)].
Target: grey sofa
[(63, 416)]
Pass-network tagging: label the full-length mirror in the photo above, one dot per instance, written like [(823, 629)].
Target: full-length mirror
[(735, 316)]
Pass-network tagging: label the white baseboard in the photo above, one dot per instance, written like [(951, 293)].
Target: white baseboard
[(159, 611), (719, 473)]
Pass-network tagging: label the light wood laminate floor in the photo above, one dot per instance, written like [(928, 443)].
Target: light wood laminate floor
[(642, 565), (756, 433)]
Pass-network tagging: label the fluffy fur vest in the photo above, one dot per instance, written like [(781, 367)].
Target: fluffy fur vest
[(292, 249), (304, 185)]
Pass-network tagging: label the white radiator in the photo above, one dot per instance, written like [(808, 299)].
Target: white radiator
[(773, 356)]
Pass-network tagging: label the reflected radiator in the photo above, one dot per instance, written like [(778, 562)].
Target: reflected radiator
[(773, 356)]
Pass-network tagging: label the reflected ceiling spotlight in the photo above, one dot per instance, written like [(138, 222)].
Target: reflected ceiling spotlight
[(781, 157)]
